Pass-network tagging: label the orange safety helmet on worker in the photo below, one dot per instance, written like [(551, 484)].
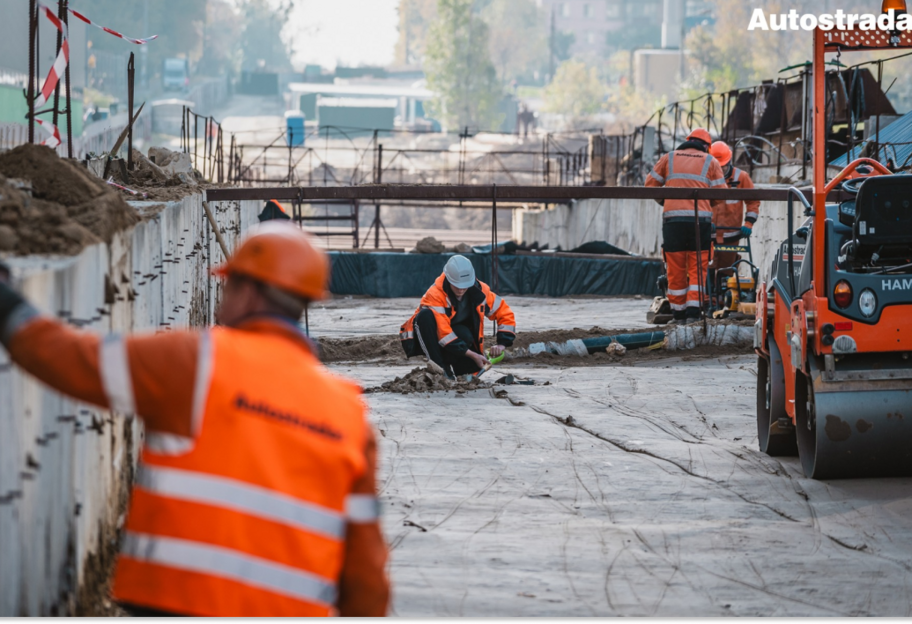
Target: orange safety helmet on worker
[(730, 218), (258, 467), (485, 303), (689, 166)]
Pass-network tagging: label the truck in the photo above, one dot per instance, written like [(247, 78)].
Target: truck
[(175, 74)]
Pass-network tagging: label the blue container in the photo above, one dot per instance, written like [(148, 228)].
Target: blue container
[(294, 128)]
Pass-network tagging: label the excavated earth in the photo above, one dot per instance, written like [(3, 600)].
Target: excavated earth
[(50, 205), (386, 349)]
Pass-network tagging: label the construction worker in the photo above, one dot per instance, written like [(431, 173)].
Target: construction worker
[(689, 166), (256, 492), (448, 326), (273, 210), (731, 221)]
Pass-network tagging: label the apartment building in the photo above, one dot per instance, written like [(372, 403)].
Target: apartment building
[(599, 25)]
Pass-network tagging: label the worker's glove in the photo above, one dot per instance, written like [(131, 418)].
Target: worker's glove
[(746, 231), (9, 300)]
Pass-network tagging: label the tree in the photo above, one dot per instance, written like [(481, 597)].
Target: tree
[(459, 68), (518, 41), (224, 26), (576, 92), (415, 17), (261, 42)]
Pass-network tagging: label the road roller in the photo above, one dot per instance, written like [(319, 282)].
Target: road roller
[(833, 326)]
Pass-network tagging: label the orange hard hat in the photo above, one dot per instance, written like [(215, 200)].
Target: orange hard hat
[(282, 255), (702, 134), (721, 152)]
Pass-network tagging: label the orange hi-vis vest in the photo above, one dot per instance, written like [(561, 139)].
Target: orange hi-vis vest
[(731, 213), (487, 304), (249, 517), (687, 168)]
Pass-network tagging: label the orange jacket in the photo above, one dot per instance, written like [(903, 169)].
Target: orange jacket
[(486, 304), (255, 497), (687, 168), (731, 214)]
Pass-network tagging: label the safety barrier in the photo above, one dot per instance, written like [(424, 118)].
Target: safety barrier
[(66, 467)]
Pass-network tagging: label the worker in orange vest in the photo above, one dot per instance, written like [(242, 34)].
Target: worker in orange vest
[(731, 221), (689, 166), (272, 209), (448, 326), (256, 494)]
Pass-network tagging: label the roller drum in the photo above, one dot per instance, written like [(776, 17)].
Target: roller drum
[(852, 427)]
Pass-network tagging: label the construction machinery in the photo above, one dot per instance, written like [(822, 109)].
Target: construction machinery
[(730, 292), (832, 330)]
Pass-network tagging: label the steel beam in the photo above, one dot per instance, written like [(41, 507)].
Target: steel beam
[(527, 194)]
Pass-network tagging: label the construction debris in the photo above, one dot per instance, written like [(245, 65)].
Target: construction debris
[(49, 205), (424, 380), (430, 245)]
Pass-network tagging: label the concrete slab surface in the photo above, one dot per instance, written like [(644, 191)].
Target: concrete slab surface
[(619, 490)]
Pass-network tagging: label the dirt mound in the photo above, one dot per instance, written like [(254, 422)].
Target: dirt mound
[(361, 349), (422, 380), (59, 208)]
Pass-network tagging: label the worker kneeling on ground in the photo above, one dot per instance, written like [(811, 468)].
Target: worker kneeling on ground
[(448, 326), (731, 221), (256, 493), (691, 166)]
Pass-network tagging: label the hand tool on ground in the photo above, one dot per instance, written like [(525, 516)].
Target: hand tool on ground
[(120, 140)]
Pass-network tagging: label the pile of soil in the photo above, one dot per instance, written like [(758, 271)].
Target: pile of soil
[(361, 349), (423, 380), (66, 209)]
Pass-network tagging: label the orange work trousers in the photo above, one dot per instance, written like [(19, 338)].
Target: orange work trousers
[(686, 272)]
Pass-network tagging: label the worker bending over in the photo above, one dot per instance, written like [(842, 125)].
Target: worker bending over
[(691, 166), (731, 221), (256, 493), (448, 326)]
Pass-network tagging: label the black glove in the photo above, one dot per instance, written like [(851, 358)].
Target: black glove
[(9, 298)]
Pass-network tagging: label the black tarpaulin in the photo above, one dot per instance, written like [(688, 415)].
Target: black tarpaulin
[(409, 275)]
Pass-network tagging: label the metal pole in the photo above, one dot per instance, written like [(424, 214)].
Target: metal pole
[(56, 113), (494, 237), (377, 205), (33, 26), (130, 74), (69, 113)]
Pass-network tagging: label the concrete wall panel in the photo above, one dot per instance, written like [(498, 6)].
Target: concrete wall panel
[(66, 467), (634, 225)]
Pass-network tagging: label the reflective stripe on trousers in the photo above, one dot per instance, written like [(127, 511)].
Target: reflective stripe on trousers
[(231, 564)]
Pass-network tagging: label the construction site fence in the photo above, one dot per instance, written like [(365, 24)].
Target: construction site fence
[(66, 467), (332, 156)]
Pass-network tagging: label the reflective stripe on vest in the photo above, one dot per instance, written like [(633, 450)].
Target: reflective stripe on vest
[(362, 508), (510, 329), (436, 309), (657, 177), (703, 214), (702, 177), (114, 367), (735, 184), (243, 497), (447, 339), (497, 303), (231, 564)]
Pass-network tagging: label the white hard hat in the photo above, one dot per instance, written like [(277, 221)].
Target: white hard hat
[(459, 272)]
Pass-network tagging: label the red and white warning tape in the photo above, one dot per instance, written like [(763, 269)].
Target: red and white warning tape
[(59, 64), (53, 140), (79, 15)]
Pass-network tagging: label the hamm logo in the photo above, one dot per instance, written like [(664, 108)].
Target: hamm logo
[(903, 284)]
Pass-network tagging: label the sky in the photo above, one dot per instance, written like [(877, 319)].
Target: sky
[(348, 32)]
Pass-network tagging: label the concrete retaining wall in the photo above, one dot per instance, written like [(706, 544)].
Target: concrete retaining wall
[(66, 467), (634, 225)]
